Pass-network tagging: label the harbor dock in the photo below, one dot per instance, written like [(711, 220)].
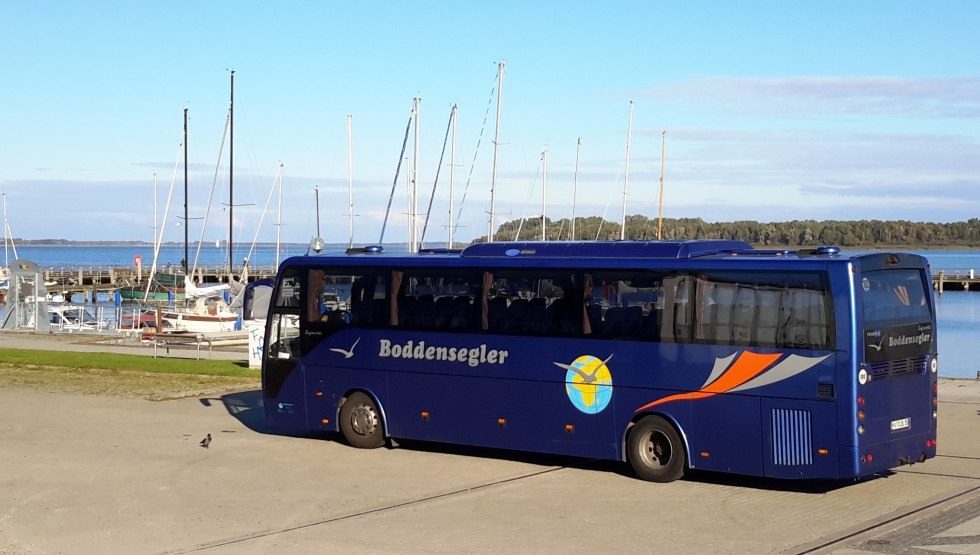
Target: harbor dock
[(92, 280), (956, 279)]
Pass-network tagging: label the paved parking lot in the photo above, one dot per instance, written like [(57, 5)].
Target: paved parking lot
[(92, 474)]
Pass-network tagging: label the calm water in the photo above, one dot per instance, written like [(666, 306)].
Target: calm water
[(958, 311), (958, 315)]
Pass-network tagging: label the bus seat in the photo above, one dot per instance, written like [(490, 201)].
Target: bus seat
[(379, 312), (516, 319), (650, 329), (536, 319), (443, 313), (612, 321), (407, 312), (426, 311), (594, 312), (496, 312), (461, 312)]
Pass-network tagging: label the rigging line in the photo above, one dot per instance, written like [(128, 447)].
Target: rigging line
[(608, 202), (265, 209), (517, 236), (214, 184), (166, 212), (394, 182), (442, 155), (479, 141)]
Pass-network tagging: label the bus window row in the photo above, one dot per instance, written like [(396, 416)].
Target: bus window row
[(790, 310)]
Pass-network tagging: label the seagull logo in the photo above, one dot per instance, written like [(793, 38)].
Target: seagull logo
[(742, 371), (586, 377), (878, 346), (588, 383), (347, 354)]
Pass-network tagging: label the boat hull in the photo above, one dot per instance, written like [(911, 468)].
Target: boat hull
[(199, 323), (140, 294)]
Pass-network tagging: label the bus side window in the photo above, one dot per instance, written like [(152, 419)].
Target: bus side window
[(368, 306), (283, 340), (758, 310), (675, 324)]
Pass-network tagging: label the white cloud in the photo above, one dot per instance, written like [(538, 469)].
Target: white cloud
[(937, 97)]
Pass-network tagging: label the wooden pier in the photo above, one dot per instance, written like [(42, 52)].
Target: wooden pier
[(956, 279), (91, 280)]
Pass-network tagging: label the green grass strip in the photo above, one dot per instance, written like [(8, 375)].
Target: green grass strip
[(138, 363)]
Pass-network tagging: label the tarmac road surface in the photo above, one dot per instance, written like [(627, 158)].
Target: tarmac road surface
[(94, 474)]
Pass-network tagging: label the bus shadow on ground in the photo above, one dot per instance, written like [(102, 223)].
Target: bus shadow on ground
[(623, 469), (246, 407)]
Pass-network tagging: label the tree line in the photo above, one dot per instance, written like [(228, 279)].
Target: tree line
[(795, 233)]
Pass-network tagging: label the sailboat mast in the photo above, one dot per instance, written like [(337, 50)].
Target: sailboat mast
[(154, 206), (663, 150), (626, 183), (578, 147), (496, 145), (316, 191), (186, 230), (414, 190), (350, 183), (452, 176), (282, 178), (6, 237), (544, 194), (231, 176)]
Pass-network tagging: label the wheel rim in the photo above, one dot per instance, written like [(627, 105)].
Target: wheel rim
[(656, 450), (364, 420)]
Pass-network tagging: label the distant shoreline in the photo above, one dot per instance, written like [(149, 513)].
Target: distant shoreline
[(56, 243)]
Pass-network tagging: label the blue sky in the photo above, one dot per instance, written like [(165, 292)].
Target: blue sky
[(773, 111)]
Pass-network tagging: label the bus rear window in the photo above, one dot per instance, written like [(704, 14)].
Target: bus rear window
[(894, 297)]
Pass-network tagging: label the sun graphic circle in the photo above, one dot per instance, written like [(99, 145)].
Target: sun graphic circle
[(588, 384)]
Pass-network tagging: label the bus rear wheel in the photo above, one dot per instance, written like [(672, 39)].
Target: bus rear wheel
[(655, 451), (360, 422)]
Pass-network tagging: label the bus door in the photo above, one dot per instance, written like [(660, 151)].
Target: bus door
[(282, 374), (343, 311)]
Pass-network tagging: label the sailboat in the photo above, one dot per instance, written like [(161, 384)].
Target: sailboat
[(205, 311)]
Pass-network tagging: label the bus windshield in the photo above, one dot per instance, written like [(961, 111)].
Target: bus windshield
[(894, 297)]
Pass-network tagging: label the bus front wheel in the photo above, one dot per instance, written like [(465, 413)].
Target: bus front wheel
[(360, 422), (655, 451)]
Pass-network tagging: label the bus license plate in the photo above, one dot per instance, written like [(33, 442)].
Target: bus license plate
[(901, 424)]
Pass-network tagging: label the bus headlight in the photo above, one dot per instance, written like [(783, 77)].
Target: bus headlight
[(934, 365), (860, 430)]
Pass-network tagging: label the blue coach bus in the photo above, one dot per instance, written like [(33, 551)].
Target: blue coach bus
[(668, 355)]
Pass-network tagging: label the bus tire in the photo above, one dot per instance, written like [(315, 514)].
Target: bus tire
[(360, 422), (655, 450)]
